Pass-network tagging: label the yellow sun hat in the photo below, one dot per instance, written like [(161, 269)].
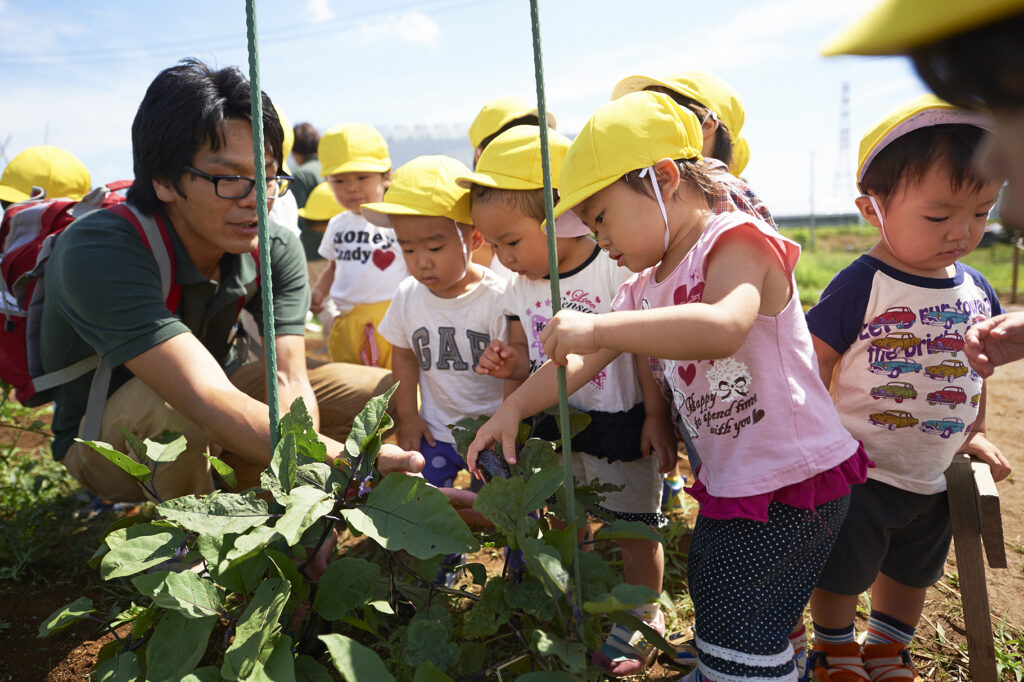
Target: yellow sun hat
[(898, 26), (740, 156), (702, 87), (53, 169), (424, 186), (321, 204), (497, 113), (635, 131), (513, 160), (920, 112), (353, 148)]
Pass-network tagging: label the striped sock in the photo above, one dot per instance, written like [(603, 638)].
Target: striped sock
[(834, 635), (884, 629)]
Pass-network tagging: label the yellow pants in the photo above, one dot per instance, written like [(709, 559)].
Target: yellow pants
[(354, 337)]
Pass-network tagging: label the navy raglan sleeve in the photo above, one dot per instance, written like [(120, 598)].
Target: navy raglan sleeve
[(838, 318), (983, 284)]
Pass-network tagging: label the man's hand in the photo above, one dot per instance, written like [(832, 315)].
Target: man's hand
[(978, 445), (498, 360), (569, 332), (995, 341)]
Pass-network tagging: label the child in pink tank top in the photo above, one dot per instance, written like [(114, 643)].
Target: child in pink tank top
[(714, 304)]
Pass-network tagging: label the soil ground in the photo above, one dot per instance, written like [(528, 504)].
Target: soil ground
[(938, 652)]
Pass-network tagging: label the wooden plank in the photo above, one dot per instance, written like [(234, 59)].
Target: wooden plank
[(990, 515), (970, 564)]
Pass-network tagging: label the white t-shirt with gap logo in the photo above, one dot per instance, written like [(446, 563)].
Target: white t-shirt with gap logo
[(368, 265)]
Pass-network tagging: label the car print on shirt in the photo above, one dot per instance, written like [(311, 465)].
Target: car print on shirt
[(892, 419), (947, 370), (951, 395), (950, 342), (944, 318), (894, 368), (975, 399), (897, 341), (895, 390), (944, 427), (899, 317)]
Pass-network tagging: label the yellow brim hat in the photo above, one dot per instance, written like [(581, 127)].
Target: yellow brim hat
[(499, 112), (740, 156), (57, 171), (700, 86), (423, 187), (513, 160), (635, 131), (353, 148), (898, 26), (921, 112), (321, 204)]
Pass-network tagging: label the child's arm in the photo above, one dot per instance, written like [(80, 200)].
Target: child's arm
[(537, 393), (827, 360), (318, 294), (405, 369), (507, 360), (657, 433), (744, 279), (978, 445)]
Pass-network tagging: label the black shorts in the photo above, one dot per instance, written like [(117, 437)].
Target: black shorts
[(888, 530)]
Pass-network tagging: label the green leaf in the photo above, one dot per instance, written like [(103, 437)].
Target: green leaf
[(464, 431), (547, 676), (427, 640), (278, 664), (428, 672), (578, 420), (347, 584), (479, 573), (620, 529), (501, 502), (257, 625), (404, 513), (177, 645), (134, 549), (623, 597), (368, 424), (572, 653), (299, 424), (165, 448), (123, 668), (207, 673), (489, 613), (247, 546), (529, 596), (537, 454), (308, 670), (240, 576), (65, 616), (283, 462), (545, 563), (306, 506), (223, 469), (144, 620), (473, 659), (288, 570), (541, 486), (217, 513), (137, 470), (355, 662), (185, 592)]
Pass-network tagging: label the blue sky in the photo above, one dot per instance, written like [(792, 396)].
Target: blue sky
[(72, 73)]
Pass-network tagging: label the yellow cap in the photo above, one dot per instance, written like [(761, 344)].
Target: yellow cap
[(921, 112), (353, 148), (513, 160), (497, 113), (321, 204), (702, 87), (898, 26), (58, 172), (740, 156), (635, 131), (425, 187), (289, 139)]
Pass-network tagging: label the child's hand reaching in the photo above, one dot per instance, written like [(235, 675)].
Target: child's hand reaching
[(411, 430), (502, 428), (569, 332), (658, 435), (978, 445), (498, 360)]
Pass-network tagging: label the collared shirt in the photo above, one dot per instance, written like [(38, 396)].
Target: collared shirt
[(734, 194)]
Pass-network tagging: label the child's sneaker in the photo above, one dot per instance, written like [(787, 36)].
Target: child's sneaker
[(837, 663), (889, 662)]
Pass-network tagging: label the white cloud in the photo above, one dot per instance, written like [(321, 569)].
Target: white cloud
[(317, 10), (414, 28)]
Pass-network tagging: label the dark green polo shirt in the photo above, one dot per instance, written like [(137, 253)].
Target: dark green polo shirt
[(103, 295)]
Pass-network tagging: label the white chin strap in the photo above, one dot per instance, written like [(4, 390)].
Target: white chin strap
[(465, 250), (881, 223), (649, 173)]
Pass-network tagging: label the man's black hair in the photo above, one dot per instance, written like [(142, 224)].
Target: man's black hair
[(306, 140), (185, 107)]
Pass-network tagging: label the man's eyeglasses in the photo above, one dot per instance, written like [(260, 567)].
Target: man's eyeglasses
[(238, 186)]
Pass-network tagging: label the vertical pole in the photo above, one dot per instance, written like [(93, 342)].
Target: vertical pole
[(256, 99), (556, 299)]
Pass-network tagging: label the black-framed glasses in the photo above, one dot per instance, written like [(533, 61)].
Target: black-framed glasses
[(239, 186)]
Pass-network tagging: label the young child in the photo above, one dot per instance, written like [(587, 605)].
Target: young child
[(508, 209), (888, 333), (716, 303), (364, 265), (443, 317)]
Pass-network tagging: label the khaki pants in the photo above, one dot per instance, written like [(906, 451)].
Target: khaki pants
[(341, 391)]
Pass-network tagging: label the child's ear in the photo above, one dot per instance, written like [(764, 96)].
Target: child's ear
[(667, 173), (867, 210), (476, 240)]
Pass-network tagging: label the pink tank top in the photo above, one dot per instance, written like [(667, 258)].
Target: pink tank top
[(761, 420)]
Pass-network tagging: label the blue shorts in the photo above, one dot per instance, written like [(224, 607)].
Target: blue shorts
[(443, 463)]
